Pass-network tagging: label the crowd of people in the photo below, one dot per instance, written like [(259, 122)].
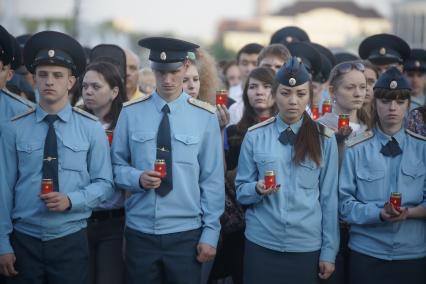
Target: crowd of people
[(288, 164)]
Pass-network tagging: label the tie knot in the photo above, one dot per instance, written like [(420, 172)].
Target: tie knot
[(165, 108), (50, 118)]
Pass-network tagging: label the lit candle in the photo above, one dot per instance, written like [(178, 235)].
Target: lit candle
[(270, 179), (343, 121), (160, 166), (222, 97), (109, 136), (315, 112), (326, 107), (395, 200), (46, 186)]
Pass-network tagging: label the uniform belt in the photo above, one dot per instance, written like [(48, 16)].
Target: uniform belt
[(107, 214)]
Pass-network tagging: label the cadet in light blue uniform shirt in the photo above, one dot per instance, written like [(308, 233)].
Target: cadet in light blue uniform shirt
[(42, 235), (291, 230), (10, 59), (388, 245), (177, 215)]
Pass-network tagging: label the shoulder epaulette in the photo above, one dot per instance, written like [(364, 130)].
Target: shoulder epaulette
[(141, 99), (361, 137), (19, 98), (202, 105), (324, 130), (84, 113), (261, 124), (415, 135), (31, 110)]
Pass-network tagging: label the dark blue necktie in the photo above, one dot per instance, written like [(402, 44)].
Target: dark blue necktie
[(287, 137), (391, 149), (164, 151), (50, 157)]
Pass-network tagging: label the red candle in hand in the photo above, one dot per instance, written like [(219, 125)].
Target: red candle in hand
[(343, 121), (109, 136), (46, 186), (326, 107), (160, 166), (315, 112), (395, 200), (270, 179), (222, 97)]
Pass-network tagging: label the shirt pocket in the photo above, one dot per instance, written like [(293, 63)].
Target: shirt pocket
[(30, 154), (370, 183), (308, 175), (186, 148), (74, 156), (143, 147), (412, 179), (265, 162)]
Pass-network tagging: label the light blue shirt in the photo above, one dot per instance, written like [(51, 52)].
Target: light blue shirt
[(10, 106), (198, 195), (367, 179), (303, 215), (85, 174)]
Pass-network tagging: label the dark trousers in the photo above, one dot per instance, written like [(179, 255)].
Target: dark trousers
[(106, 264), (340, 274), (59, 261), (364, 269), (168, 258), (229, 258), (262, 265)]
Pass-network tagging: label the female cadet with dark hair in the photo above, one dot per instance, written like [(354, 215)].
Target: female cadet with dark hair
[(103, 94), (287, 178), (382, 192)]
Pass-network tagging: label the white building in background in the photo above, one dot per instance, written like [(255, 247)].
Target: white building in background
[(336, 24), (409, 22)]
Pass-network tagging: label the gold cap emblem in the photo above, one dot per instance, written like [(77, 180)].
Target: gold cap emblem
[(382, 51), (51, 53), (292, 81), (393, 85), (163, 56), (417, 63)]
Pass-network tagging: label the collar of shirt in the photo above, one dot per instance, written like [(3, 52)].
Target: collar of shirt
[(159, 102), (136, 95), (385, 138), (281, 125), (64, 114)]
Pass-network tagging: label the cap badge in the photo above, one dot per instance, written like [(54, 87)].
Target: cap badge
[(51, 53), (417, 63), (289, 39), (382, 51), (163, 56), (292, 82), (393, 85)]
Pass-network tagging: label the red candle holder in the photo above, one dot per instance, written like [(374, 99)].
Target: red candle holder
[(326, 107), (315, 112), (160, 166), (270, 180), (222, 97), (46, 186), (109, 136), (343, 121), (395, 200)]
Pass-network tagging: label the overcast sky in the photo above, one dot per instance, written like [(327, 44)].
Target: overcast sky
[(182, 17)]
